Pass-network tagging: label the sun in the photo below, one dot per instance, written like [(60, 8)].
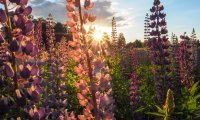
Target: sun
[(98, 35), (98, 31)]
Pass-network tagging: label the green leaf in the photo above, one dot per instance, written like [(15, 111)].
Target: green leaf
[(155, 114), (194, 88), (178, 113), (11, 98), (160, 110), (141, 109), (197, 97)]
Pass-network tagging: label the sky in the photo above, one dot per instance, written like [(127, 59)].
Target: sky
[(182, 15)]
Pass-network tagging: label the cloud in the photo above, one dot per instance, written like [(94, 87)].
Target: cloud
[(37, 2), (42, 9), (104, 9)]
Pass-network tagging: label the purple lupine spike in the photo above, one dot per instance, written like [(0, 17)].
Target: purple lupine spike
[(18, 66), (134, 92), (185, 62), (159, 49)]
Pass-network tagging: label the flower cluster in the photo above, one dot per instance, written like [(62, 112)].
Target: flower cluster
[(94, 84), (50, 33), (129, 61), (134, 91), (185, 62), (38, 35), (55, 96), (18, 66), (159, 46)]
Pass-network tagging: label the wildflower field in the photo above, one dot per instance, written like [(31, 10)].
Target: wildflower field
[(73, 71)]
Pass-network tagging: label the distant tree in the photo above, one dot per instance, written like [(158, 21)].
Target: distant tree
[(145, 43), (59, 31), (129, 45), (137, 44)]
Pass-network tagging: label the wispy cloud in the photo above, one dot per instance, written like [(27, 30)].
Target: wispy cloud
[(104, 9)]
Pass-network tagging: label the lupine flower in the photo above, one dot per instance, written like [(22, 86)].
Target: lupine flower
[(90, 65), (131, 57), (67, 116), (20, 52), (169, 105), (185, 62), (55, 102), (159, 45), (36, 114), (134, 92)]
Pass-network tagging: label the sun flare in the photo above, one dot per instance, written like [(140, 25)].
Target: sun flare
[(98, 35)]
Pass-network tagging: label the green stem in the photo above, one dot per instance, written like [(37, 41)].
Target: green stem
[(8, 20)]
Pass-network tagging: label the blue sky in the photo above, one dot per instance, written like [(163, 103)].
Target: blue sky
[(182, 15)]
